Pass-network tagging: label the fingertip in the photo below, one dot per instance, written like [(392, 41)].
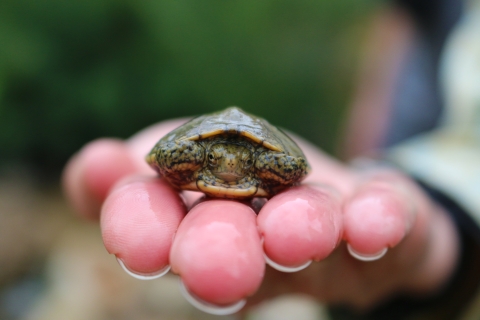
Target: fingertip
[(366, 257), (205, 306), (143, 276), (106, 161), (376, 218), (138, 221), (217, 252), (299, 225), (286, 269)]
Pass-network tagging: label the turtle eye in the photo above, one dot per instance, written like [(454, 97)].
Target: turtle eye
[(248, 163), (212, 161)]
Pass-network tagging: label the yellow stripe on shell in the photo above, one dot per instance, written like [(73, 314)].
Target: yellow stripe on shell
[(245, 134), (262, 142), (205, 135)]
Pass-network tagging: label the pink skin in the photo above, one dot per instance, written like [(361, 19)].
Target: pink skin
[(133, 209), (217, 250), (300, 225), (373, 215)]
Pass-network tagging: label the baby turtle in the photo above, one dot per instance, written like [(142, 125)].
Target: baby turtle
[(229, 154)]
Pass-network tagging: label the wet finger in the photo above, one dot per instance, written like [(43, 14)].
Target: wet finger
[(138, 220), (217, 252), (377, 217), (300, 225)]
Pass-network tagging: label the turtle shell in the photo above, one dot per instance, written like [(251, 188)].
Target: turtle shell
[(229, 154), (235, 121)]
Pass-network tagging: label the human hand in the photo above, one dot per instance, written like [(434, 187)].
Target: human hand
[(218, 248)]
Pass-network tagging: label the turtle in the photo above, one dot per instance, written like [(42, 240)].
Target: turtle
[(229, 154)]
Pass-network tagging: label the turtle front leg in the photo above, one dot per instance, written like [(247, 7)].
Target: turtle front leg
[(277, 170), (177, 160)]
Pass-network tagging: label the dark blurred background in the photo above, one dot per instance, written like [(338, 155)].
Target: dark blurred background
[(73, 71)]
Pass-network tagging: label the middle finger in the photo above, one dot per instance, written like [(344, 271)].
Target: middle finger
[(217, 252)]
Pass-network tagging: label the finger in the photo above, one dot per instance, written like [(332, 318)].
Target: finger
[(91, 173), (217, 252), (379, 215), (423, 235), (138, 221), (301, 224)]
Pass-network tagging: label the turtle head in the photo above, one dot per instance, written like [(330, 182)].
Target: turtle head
[(229, 169), (229, 162)]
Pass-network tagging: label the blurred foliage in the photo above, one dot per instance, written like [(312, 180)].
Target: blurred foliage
[(72, 71)]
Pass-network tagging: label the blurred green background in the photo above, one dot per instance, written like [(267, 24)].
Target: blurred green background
[(73, 71)]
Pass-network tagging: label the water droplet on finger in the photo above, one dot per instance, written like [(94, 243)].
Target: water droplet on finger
[(208, 307), (283, 268), (366, 257), (144, 276)]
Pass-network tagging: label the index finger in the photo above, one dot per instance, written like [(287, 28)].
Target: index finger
[(91, 173), (139, 219)]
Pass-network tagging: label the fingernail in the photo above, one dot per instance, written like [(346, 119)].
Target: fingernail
[(144, 276), (210, 307), (366, 257)]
